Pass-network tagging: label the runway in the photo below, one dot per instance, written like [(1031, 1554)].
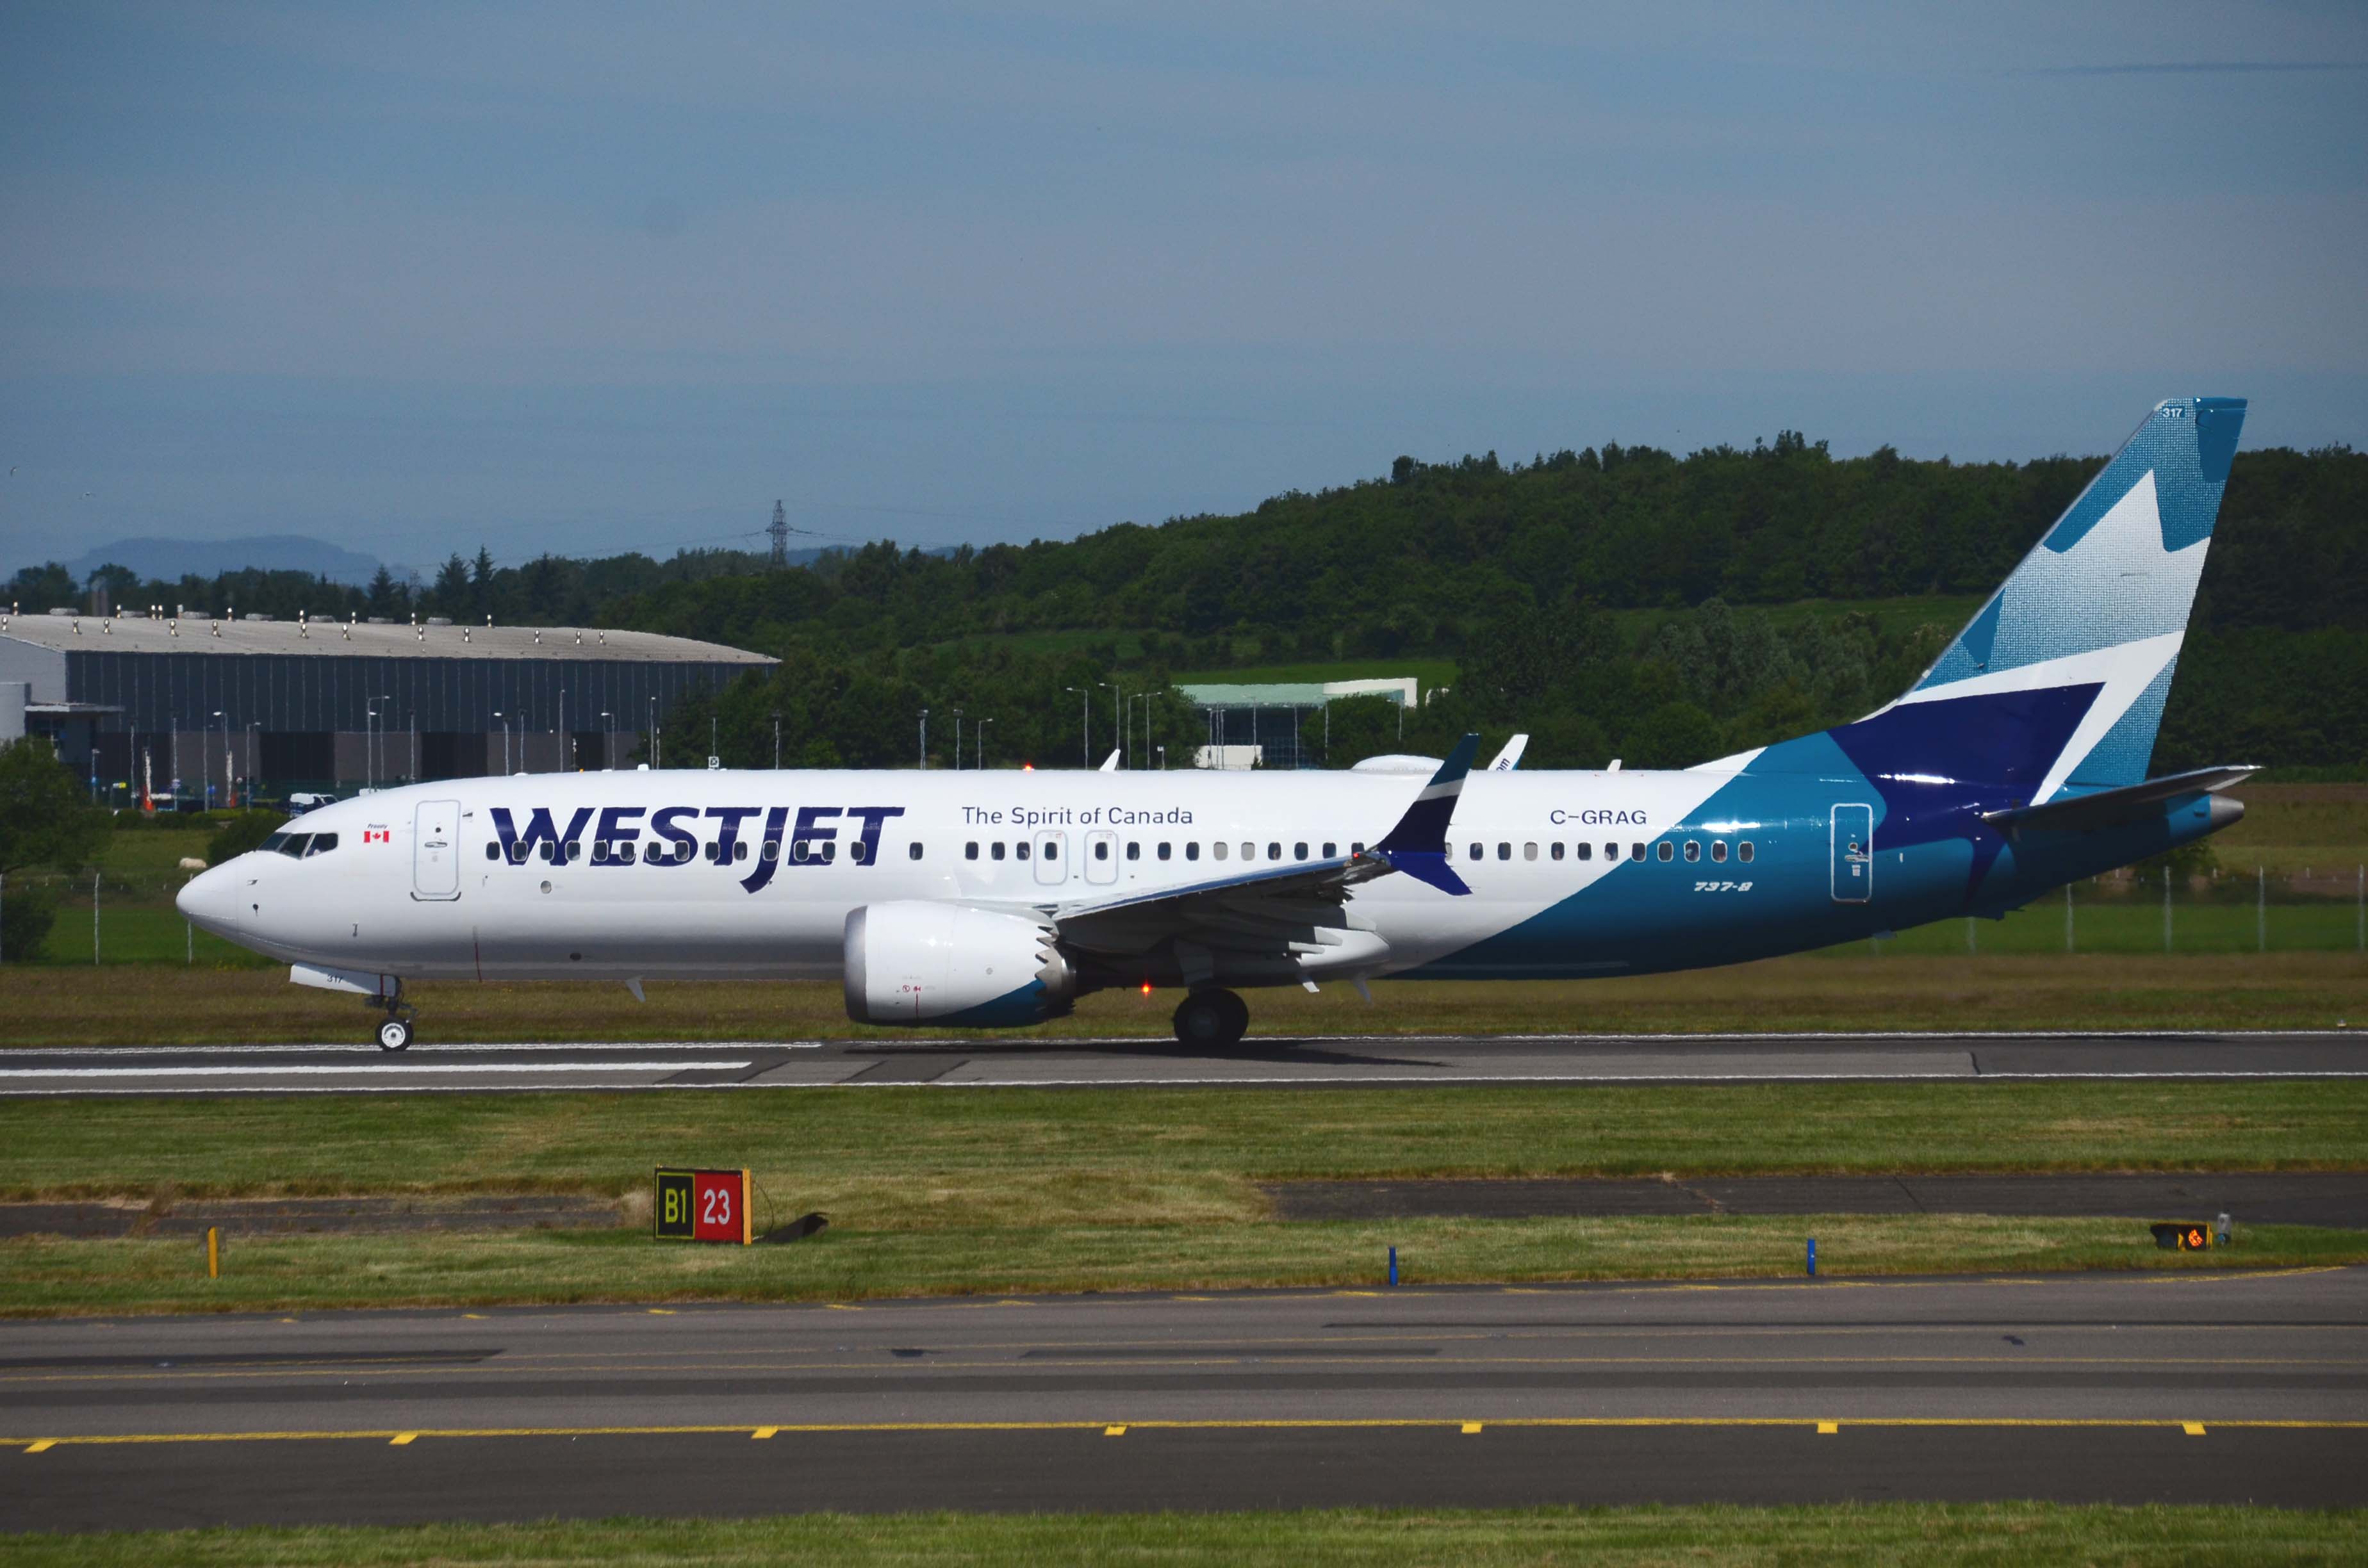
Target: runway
[(1369, 1060), (2222, 1387)]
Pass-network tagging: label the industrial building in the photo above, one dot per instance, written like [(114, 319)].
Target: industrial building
[(201, 711), (1263, 726)]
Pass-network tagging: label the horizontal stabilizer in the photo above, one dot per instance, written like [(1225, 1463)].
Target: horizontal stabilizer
[(2112, 808)]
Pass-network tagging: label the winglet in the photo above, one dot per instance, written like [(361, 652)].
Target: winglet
[(1110, 763), (1418, 846), (1510, 757)]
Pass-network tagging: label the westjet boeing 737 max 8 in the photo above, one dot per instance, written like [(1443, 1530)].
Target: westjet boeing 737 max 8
[(2017, 763)]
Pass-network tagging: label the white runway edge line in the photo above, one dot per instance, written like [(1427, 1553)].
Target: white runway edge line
[(344, 1048), (1024, 1043), (342, 1071)]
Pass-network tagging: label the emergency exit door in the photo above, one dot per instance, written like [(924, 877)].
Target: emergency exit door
[(1052, 858), (1853, 854), (436, 850)]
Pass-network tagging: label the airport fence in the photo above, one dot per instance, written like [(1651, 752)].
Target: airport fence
[(107, 918)]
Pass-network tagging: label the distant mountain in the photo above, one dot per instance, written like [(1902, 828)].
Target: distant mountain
[(174, 558)]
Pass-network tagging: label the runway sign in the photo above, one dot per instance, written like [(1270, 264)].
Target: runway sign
[(701, 1206), (2189, 1237)]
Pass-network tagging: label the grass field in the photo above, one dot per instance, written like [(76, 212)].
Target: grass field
[(1005, 1190), (923, 1158), (1944, 1535), (48, 1276)]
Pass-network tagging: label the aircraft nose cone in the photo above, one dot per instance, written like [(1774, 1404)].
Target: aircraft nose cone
[(210, 899)]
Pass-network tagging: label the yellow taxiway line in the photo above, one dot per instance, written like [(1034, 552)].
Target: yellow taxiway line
[(1827, 1424)]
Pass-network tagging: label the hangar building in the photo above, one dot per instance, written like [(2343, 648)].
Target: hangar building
[(204, 709)]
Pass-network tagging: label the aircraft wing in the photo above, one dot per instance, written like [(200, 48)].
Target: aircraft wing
[(1278, 912)]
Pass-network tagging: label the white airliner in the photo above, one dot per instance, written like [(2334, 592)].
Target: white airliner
[(2017, 763)]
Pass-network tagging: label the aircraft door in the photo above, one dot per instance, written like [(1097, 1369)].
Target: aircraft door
[(436, 850), (1051, 856), (1853, 854), (1101, 856)]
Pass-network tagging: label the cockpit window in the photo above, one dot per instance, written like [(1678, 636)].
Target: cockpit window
[(321, 843), (290, 843), (271, 845)]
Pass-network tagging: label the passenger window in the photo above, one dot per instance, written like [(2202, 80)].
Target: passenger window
[(1249, 851), (321, 843), (1356, 849), (1299, 852), (913, 851), (629, 850), (829, 852), (1274, 852), (1052, 849), (997, 849), (1475, 853), (517, 854), (1163, 851), (1133, 850), (1530, 851), (1556, 850), (1192, 850), (799, 850), (1101, 851), (1331, 850), (1218, 849), (1636, 852), (1718, 848), (1587, 852), (1693, 850), (575, 850), (970, 851), (1743, 851), (1668, 850), (550, 853), (1504, 851), (1019, 850), (492, 851)]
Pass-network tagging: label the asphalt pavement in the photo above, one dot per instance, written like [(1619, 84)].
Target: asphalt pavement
[(2182, 1387), (1370, 1060)]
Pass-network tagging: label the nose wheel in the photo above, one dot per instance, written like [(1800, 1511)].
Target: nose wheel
[(394, 1029), (1212, 1019)]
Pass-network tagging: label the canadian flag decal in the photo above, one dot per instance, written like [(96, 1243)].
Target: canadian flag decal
[(378, 835)]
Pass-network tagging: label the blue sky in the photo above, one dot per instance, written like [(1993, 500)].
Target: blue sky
[(587, 278)]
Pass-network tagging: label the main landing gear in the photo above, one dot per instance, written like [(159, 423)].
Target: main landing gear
[(394, 1029), (1212, 1019)]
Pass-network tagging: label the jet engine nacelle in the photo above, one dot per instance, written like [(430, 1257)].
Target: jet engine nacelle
[(911, 962)]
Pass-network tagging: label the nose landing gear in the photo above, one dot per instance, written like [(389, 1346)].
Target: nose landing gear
[(394, 1029), (1212, 1019)]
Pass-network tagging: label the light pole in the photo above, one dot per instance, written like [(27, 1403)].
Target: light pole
[(776, 739), (229, 798), (252, 726), (958, 718), (1085, 724), (982, 723), (1116, 724), (506, 741), (925, 739), (607, 749), (384, 697)]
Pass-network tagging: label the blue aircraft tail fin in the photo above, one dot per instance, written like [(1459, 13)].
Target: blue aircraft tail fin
[(2057, 685)]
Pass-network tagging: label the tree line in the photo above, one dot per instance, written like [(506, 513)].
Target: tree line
[(1512, 569)]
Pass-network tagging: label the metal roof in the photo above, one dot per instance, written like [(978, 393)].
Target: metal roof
[(333, 639)]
